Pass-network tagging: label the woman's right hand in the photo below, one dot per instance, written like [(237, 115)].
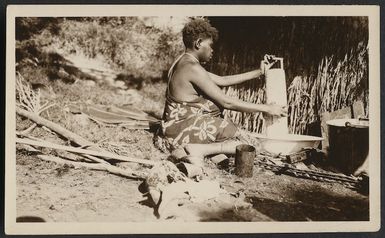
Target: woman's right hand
[(276, 110), (266, 63)]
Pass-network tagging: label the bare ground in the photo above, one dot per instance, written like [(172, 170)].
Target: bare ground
[(59, 193)]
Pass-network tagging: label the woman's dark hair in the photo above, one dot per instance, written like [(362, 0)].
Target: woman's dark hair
[(198, 28)]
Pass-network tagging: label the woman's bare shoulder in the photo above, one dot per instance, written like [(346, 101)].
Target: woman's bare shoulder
[(189, 69)]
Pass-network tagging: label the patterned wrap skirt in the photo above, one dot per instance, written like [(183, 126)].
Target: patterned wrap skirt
[(196, 122)]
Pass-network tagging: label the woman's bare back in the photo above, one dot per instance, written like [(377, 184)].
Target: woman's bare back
[(180, 85)]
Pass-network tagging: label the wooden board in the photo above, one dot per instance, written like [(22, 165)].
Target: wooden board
[(276, 93)]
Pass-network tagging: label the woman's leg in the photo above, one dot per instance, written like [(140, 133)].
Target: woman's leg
[(202, 150)]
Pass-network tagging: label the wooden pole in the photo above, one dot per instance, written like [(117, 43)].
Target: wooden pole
[(57, 128), (101, 167), (84, 151), (94, 158)]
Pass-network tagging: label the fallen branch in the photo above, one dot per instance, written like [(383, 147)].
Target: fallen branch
[(84, 151), (96, 159), (101, 167), (90, 157), (28, 130), (57, 128)]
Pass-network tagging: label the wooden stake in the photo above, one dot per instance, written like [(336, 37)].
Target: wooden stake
[(101, 167)]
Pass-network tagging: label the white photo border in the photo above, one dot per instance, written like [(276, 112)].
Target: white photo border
[(371, 11)]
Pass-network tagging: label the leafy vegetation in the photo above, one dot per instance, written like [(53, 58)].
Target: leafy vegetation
[(125, 44)]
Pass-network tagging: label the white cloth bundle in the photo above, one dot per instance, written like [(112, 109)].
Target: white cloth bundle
[(276, 93)]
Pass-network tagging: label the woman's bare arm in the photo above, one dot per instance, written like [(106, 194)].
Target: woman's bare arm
[(201, 79), (234, 79), (240, 78)]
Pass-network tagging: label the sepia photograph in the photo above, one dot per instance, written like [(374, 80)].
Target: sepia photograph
[(230, 118)]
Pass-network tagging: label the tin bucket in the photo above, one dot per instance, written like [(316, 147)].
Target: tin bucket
[(348, 143), (244, 160)]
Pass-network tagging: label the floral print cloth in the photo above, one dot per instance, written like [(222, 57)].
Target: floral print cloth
[(200, 121)]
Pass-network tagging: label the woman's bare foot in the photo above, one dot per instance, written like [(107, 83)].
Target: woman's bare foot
[(196, 150), (195, 160)]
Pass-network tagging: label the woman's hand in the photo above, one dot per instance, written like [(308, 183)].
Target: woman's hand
[(276, 110), (266, 63)]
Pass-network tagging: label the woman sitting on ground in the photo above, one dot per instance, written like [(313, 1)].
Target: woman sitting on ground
[(193, 117)]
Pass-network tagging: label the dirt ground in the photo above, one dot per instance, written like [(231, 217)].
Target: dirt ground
[(57, 193)]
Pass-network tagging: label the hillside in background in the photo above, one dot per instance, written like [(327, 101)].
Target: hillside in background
[(139, 48)]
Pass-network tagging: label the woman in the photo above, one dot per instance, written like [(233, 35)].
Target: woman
[(193, 117)]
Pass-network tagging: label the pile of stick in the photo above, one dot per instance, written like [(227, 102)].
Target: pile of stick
[(98, 157)]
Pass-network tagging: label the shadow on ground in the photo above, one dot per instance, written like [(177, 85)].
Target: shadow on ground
[(315, 204)]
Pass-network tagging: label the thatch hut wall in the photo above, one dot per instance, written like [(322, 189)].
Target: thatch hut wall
[(303, 42)]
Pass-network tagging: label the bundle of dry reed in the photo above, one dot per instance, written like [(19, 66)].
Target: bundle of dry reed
[(253, 92), (27, 98), (337, 84)]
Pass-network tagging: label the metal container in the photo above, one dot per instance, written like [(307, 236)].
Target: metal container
[(287, 144), (348, 143), (244, 160)]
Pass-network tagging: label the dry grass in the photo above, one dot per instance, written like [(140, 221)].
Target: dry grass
[(29, 99)]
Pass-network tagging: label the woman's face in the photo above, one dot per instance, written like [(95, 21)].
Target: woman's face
[(205, 50)]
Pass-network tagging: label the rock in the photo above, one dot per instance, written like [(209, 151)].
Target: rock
[(30, 219), (81, 119), (89, 83), (301, 166), (120, 84), (219, 158), (62, 73), (221, 161), (179, 153), (268, 172)]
